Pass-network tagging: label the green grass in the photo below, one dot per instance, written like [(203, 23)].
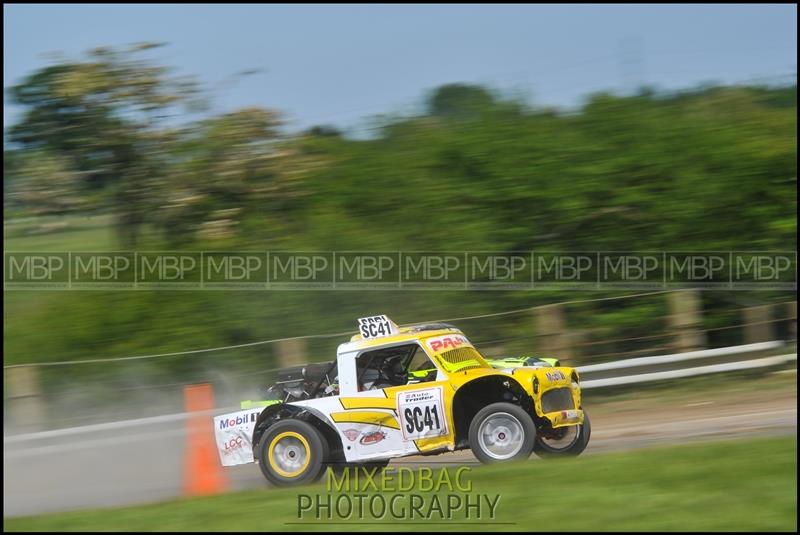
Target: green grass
[(745, 485)]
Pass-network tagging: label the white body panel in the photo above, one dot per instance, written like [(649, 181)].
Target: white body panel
[(361, 441)]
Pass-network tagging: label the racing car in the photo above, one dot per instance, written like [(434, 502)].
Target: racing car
[(395, 392)]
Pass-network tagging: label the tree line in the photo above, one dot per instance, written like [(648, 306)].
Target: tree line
[(710, 167)]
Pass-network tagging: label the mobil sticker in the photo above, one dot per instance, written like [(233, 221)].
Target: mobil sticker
[(447, 341), (555, 376), (238, 419)]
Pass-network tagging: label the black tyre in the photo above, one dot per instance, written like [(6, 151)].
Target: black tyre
[(565, 441), (292, 452), (502, 432)]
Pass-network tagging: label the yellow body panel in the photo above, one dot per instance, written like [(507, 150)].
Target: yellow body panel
[(367, 403)]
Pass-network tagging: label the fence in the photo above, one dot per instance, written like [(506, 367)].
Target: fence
[(38, 397), (621, 376)]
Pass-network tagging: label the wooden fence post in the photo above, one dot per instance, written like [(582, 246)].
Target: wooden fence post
[(686, 313), (758, 326), (26, 406), (791, 312), (291, 353), (552, 338)]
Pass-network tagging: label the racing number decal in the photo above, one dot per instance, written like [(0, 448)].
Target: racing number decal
[(416, 422), (376, 326), (421, 413)]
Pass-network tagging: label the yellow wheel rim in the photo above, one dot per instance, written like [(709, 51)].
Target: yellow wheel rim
[(289, 454)]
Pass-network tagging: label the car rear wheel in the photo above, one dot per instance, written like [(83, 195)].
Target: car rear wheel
[(565, 441), (292, 452), (502, 432)]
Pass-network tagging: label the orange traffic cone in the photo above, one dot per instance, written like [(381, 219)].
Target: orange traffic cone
[(203, 473)]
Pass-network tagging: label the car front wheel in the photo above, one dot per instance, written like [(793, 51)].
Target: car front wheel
[(502, 432)]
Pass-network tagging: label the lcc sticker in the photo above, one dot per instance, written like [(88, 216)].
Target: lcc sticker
[(422, 413)]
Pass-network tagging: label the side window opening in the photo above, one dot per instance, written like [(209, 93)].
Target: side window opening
[(421, 369), (393, 366)]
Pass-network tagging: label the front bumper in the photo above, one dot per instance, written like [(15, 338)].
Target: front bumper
[(565, 418)]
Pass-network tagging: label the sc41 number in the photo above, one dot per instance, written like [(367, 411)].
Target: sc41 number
[(376, 326), (420, 419), (422, 413)]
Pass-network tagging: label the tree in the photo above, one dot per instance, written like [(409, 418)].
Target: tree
[(459, 101), (227, 168), (101, 117), (44, 185)]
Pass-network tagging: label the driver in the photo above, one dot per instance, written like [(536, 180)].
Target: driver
[(393, 371), (390, 372)]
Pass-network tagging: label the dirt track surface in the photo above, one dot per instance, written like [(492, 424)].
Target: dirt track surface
[(144, 465)]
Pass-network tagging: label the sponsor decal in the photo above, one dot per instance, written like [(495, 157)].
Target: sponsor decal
[(447, 342), (372, 438), (227, 423), (232, 445), (232, 433), (414, 397), (421, 413), (555, 376), (351, 434)]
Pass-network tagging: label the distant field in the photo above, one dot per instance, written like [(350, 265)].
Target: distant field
[(747, 485), (77, 233)]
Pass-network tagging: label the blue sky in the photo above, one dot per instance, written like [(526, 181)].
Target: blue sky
[(338, 64)]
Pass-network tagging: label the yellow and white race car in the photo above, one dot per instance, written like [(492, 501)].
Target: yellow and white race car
[(394, 392)]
